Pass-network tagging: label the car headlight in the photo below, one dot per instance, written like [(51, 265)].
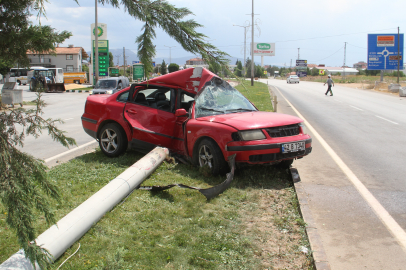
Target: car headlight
[(109, 92), (252, 135), (91, 92), (303, 127)]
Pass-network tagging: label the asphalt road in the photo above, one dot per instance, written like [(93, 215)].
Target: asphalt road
[(366, 129)]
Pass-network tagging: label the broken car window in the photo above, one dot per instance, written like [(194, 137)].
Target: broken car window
[(219, 97)]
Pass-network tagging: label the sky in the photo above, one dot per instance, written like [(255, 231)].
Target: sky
[(316, 31)]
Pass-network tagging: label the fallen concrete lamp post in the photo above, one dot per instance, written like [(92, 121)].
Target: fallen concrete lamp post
[(58, 238)]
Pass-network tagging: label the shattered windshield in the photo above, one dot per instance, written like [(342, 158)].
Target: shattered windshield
[(106, 84), (218, 97)]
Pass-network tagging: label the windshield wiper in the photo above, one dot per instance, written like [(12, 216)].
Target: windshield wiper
[(210, 109), (241, 110)]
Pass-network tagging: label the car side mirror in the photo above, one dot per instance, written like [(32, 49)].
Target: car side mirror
[(181, 113)]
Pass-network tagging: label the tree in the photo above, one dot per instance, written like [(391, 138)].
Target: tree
[(173, 67), (238, 72), (215, 67), (248, 68), (315, 72), (111, 62), (163, 68), (18, 35), (24, 185)]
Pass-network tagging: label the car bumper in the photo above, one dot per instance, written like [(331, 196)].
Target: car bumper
[(247, 152), (90, 126)]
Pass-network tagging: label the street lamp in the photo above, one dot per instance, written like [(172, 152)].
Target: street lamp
[(245, 37), (170, 56)]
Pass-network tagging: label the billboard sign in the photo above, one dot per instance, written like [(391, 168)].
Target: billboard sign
[(103, 57), (301, 63), (265, 49), (101, 31), (301, 74), (383, 51), (138, 71)]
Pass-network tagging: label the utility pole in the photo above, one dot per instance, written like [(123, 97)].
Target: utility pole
[(345, 49), (118, 59), (398, 55), (290, 63), (298, 53), (252, 46), (96, 47), (170, 55), (245, 38), (124, 59)]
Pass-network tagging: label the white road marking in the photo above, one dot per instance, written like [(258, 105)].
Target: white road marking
[(356, 108), (69, 151), (386, 120), (68, 119), (379, 210)]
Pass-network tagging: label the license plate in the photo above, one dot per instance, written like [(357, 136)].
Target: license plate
[(293, 147)]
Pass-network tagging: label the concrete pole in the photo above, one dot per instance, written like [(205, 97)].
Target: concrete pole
[(124, 59), (398, 56), (96, 46), (58, 238), (245, 57), (252, 46)]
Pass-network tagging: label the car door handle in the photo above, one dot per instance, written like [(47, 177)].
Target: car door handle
[(131, 111)]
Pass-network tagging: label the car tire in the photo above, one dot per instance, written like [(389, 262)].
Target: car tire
[(19, 82), (112, 140), (208, 153), (284, 164)]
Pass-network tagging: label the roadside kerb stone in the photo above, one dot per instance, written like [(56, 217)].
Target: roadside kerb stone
[(316, 244)]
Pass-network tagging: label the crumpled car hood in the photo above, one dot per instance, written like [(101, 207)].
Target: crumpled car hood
[(190, 79), (252, 120)]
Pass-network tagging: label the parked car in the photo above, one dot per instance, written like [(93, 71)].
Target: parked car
[(110, 85), (292, 79), (197, 115)]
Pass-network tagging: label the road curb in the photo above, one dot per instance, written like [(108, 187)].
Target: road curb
[(316, 244), (77, 91)]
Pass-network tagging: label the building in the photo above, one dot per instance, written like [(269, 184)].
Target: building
[(360, 65), (195, 62), (339, 70), (69, 58)]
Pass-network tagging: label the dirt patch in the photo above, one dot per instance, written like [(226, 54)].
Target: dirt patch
[(280, 242)]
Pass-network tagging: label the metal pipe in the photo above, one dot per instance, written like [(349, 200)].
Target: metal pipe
[(59, 237)]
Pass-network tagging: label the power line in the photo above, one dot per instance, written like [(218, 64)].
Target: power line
[(333, 35), (328, 56)]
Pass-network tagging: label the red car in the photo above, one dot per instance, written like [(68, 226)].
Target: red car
[(197, 115)]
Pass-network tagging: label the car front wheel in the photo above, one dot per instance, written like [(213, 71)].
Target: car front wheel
[(209, 154), (112, 140)]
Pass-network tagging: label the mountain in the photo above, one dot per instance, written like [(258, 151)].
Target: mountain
[(131, 56)]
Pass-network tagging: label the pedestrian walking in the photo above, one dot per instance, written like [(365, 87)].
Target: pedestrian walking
[(329, 84)]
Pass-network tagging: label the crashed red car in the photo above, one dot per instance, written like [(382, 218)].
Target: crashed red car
[(197, 115)]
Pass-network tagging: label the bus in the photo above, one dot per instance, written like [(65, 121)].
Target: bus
[(18, 75)]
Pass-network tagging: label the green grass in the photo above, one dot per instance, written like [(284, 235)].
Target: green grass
[(255, 224), (257, 94)]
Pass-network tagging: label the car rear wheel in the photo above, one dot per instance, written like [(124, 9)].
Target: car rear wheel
[(112, 140), (209, 154)]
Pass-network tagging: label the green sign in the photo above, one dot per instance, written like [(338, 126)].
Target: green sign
[(103, 57), (138, 72), (263, 46)]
